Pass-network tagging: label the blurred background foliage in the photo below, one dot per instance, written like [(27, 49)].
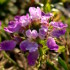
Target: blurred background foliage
[(61, 11)]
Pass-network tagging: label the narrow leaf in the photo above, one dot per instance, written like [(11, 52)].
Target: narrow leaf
[(62, 63)]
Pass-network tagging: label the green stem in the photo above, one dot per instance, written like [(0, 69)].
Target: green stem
[(6, 56), (51, 65)]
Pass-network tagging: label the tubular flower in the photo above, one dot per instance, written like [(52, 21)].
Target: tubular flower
[(31, 34), (27, 45), (31, 31), (52, 44), (32, 57), (13, 26), (7, 45), (59, 29), (35, 13), (58, 33), (32, 47), (58, 25), (45, 17), (25, 20), (42, 32)]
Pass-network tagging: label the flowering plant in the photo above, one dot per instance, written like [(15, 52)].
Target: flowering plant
[(32, 32)]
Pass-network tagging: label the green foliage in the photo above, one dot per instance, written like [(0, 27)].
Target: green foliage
[(44, 48), (51, 65), (61, 49), (62, 63), (47, 6), (2, 1)]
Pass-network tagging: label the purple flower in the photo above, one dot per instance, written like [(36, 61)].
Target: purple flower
[(48, 14), (28, 30), (45, 17), (32, 47), (0, 23), (42, 32), (27, 45), (31, 34), (13, 26), (32, 57), (58, 33), (59, 29), (52, 44), (35, 13), (59, 25), (16, 18), (7, 45), (25, 20)]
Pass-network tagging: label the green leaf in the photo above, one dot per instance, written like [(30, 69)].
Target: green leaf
[(62, 63), (48, 7), (49, 64), (2, 1), (44, 48), (61, 49)]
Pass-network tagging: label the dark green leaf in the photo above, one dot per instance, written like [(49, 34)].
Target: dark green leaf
[(49, 64), (62, 63)]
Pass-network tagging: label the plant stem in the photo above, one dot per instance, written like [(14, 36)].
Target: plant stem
[(6, 56)]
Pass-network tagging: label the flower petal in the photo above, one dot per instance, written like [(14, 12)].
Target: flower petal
[(59, 25), (28, 33), (42, 32), (8, 45), (34, 34), (31, 34), (52, 44), (32, 57), (13, 26), (27, 45), (58, 33), (35, 13), (25, 20)]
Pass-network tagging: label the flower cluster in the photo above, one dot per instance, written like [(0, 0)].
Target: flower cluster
[(26, 30)]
